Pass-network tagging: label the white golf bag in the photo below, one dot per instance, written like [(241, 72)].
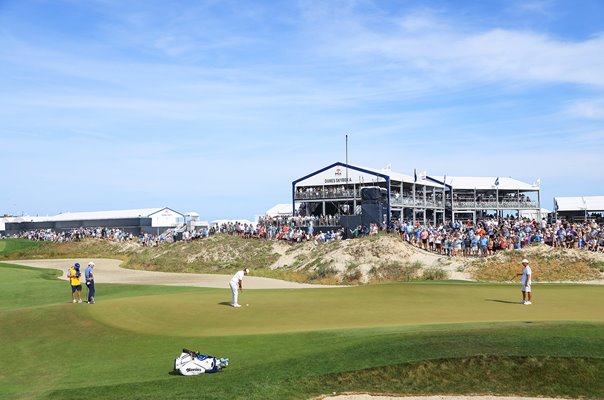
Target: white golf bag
[(193, 363)]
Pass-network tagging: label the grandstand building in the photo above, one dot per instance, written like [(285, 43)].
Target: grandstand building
[(579, 208), (471, 197), (137, 221), (336, 190)]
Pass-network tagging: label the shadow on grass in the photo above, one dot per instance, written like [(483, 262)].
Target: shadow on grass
[(503, 301), (225, 303)]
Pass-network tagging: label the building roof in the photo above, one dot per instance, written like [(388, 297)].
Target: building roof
[(486, 183), (115, 214), (279, 209), (583, 203), (334, 175), (400, 177)]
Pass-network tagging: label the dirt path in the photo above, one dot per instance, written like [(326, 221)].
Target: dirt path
[(109, 271)]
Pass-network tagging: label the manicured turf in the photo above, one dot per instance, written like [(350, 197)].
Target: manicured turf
[(278, 311), (297, 344)]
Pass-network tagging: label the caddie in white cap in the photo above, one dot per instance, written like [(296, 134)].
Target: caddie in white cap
[(236, 284)]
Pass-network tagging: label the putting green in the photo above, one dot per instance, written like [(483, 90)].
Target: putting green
[(207, 313)]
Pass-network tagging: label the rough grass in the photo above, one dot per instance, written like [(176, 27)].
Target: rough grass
[(219, 254), (434, 274), (547, 266), (522, 376), (395, 272), (17, 246)]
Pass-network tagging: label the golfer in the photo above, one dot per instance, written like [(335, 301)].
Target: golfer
[(90, 282), (76, 284), (236, 284), (526, 282)]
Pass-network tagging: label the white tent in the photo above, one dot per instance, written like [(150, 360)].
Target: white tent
[(583, 203), (532, 214), (283, 209), (486, 183)]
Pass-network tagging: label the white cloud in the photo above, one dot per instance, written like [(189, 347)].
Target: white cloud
[(591, 109), (543, 7), (437, 47)]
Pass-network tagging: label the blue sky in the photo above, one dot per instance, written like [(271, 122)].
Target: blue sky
[(217, 106)]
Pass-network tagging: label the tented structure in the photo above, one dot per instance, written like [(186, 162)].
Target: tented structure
[(280, 210), (336, 190), (472, 197), (579, 208)]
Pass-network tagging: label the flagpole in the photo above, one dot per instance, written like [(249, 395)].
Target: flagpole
[(347, 170), (497, 196), (414, 180), (445, 199)]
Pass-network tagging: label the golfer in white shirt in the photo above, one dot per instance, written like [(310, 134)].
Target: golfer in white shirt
[(526, 282), (236, 285)]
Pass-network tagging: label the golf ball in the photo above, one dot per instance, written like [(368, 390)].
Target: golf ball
[(247, 305)]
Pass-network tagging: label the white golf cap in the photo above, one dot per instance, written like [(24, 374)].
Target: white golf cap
[(525, 261), (91, 264), (246, 270)]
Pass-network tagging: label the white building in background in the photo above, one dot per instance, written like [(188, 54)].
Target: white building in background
[(193, 223), (472, 197), (336, 189), (579, 208), (136, 221), (280, 210), (11, 220)]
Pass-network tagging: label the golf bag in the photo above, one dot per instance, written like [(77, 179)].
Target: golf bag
[(192, 363)]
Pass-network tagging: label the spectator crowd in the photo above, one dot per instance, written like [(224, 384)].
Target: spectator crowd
[(489, 236), (455, 239)]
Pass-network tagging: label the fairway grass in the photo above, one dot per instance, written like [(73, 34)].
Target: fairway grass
[(395, 338)]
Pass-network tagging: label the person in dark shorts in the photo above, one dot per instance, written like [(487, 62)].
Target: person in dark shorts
[(75, 281)]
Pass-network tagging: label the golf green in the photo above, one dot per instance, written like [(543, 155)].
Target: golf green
[(207, 312)]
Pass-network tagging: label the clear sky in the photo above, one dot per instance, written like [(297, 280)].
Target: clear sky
[(217, 106)]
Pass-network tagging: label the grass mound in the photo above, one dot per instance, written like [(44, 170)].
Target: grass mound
[(547, 264), (383, 258), (17, 247), (522, 376)]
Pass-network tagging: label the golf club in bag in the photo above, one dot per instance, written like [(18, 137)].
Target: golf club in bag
[(193, 363)]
